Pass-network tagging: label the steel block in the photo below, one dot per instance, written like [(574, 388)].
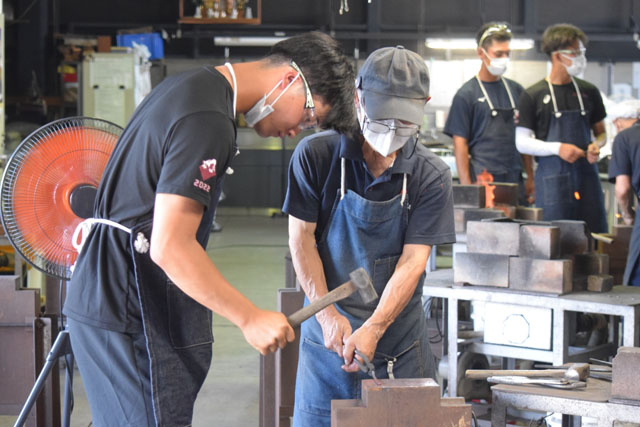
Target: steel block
[(401, 402), (508, 210), (471, 196), (599, 282), (575, 237), (505, 193), (529, 214), (493, 237), (462, 216), (539, 241), (481, 269), (626, 375), (540, 275), (590, 263)]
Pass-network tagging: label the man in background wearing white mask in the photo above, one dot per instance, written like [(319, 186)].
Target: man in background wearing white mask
[(377, 200), (557, 116), (483, 115)]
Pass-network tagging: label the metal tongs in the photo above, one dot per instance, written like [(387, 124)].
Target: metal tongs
[(368, 367)]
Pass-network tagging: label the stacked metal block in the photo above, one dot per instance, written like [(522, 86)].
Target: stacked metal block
[(552, 257)]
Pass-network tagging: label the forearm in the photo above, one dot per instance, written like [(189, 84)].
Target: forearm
[(307, 262), (461, 152), (399, 289), (624, 196), (527, 162), (527, 143)]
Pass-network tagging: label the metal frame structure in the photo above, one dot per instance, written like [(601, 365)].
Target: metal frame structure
[(622, 301)]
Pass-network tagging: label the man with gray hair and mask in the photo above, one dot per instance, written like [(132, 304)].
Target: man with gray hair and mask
[(557, 117), (624, 171), (379, 200)]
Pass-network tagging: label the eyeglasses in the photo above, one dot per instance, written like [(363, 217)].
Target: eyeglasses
[(379, 127), (573, 52), (499, 28), (309, 120)]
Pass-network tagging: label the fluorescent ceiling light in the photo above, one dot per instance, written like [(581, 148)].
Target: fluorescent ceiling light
[(246, 41), (470, 44)]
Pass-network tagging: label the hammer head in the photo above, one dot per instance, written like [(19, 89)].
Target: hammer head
[(360, 278), (577, 372)]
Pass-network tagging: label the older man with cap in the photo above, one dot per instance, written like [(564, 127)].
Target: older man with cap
[(377, 200), (624, 171)]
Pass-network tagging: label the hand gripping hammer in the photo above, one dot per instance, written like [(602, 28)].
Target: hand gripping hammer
[(360, 281)]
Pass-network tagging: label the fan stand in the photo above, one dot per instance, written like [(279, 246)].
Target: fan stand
[(61, 347)]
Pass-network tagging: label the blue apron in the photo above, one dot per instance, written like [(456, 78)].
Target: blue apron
[(632, 271), (495, 150), (570, 190), (368, 234)]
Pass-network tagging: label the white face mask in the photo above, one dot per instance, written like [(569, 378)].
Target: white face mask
[(496, 66), (384, 143), (259, 111), (578, 64)]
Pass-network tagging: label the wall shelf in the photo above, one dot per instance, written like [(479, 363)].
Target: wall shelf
[(225, 21)]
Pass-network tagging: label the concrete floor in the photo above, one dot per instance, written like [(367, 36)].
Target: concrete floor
[(250, 253)]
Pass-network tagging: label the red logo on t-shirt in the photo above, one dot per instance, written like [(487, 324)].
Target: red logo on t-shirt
[(208, 169)]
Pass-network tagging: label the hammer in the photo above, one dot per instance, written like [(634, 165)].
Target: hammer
[(575, 372), (360, 281)]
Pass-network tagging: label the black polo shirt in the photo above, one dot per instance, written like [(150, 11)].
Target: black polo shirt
[(625, 157), (180, 140), (314, 182)]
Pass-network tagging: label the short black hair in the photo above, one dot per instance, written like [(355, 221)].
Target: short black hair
[(561, 36), (328, 71), (498, 31)]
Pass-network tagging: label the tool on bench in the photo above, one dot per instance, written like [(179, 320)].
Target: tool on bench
[(367, 367), (575, 372), (547, 382), (360, 281)]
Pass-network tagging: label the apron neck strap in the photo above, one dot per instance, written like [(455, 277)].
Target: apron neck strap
[(235, 86), (486, 95), (555, 103)]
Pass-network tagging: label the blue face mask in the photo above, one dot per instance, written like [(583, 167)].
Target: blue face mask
[(259, 111)]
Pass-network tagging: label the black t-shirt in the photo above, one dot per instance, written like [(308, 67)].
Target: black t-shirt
[(625, 158), (536, 106), (180, 140), (314, 181), (470, 113)]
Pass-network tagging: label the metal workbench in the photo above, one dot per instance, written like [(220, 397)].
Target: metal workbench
[(592, 402), (622, 301)]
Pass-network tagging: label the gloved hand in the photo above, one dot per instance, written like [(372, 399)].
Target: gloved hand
[(335, 328)]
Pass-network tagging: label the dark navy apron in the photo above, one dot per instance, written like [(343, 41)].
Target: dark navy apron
[(368, 234), (495, 150), (179, 337), (632, 270), (570, 190)]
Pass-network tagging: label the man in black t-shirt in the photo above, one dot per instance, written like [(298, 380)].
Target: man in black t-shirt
[(624, 171), (557, 116), (140, 300), (483, 115)]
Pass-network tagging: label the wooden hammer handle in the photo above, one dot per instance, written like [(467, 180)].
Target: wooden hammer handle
[(482, 374), (339, 293)]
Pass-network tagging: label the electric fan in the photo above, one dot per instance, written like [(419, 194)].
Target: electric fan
[(49, 187)]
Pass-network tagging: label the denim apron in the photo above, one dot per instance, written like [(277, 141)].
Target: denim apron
[(632, 271), (495, 150), (368, 234), (570, 190)]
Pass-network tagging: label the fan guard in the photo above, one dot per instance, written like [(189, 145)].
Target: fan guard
[(49, 186)]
